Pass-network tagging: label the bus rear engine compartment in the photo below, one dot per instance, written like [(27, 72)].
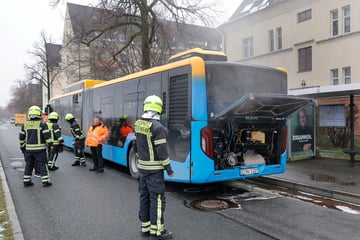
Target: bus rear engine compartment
[(240, 143)]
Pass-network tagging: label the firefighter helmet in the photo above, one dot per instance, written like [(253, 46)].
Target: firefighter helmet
[(69, 116), (123, 117), (153, 103), (34, 111), (54, 116)]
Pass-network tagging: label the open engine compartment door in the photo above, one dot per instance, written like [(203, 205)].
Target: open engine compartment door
[(264, 105)]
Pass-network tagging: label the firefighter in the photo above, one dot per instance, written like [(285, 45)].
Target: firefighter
[(34, 136), (95, 138), (58, 142), (152, 152), (79, 140)]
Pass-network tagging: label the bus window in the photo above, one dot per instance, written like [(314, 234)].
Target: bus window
[(227, 83)]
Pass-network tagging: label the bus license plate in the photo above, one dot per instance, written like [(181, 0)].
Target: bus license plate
[(249, 171)]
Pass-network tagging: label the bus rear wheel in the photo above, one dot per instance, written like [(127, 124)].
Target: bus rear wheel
[(132, 164)]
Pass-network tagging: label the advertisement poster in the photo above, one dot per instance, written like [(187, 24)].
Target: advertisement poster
[(302, 132)]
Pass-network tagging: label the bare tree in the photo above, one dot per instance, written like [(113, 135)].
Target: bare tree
[(141, 25), (24, 95), (43, 70)]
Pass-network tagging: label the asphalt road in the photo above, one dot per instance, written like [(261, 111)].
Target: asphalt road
[(86, 205)]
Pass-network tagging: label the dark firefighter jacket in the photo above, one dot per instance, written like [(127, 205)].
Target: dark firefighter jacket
[(34, 135), (150, 146), (55, 133), (76, 131)]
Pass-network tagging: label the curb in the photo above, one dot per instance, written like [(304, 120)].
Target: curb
[(10, 207), (293, 185)]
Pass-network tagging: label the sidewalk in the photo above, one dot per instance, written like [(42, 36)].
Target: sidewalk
[(331, 176)]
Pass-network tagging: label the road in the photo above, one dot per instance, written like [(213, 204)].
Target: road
[(87, 205)]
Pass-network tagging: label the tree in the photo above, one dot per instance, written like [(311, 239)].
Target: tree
[(24, 95), (141, 25), (43, 70)]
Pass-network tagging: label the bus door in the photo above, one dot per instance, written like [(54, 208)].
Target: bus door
[(177, 111)]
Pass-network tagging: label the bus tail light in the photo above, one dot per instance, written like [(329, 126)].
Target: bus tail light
[(284, 139), (207, 141)]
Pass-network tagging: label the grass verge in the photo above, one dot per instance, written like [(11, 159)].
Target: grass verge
[(5, 225)]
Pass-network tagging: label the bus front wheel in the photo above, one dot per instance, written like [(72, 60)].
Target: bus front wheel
[(132, 164)]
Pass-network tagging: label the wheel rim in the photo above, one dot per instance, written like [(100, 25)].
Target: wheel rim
[(133, 164)]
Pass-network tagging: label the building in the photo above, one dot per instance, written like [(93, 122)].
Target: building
[(53, 60), (314, 40)]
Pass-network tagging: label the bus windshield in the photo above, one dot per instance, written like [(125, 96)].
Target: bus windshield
[(227, 82)]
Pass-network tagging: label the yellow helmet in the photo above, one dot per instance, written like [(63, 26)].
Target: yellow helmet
[(123, 117), (153, 103), (69, 116), (34, 111), (54, 116)]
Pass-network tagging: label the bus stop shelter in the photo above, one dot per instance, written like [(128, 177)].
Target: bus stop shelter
[(334, 91)]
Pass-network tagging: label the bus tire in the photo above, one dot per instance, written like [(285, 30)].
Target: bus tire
[(132, 164)]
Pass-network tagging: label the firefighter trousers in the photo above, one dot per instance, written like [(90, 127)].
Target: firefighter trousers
[(37, 159), (79, 151), (152, 202), (53, 153)]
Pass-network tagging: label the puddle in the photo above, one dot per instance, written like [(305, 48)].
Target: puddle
[(329, 179), (17, 164), (324, 202), (220, 197)]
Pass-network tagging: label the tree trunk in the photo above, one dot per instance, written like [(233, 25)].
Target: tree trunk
[(145, 45)]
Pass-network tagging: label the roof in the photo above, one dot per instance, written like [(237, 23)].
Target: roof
[(248, 7), (327, 91), (84, 18), (53, 54)]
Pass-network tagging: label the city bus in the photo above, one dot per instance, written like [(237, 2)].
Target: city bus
[(225, 120)]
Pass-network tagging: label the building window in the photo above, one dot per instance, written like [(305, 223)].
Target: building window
[(347, 75), (334, 76), (248, 50), (305, 59), (303, 16), (271, 40), (346, 15), (279, 37), (334, 22)]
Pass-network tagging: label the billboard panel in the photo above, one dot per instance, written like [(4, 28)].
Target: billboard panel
[(302, 132)]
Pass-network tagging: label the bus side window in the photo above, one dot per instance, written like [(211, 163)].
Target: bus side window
[(75, 99)]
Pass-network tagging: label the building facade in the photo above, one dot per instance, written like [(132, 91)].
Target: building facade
[(316, 41)]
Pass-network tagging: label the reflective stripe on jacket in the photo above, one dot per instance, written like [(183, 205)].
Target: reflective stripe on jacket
[(150, 144), (55, 132), (96, 135)]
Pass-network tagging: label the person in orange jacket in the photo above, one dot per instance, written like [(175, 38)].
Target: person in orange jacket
[(95, 138)]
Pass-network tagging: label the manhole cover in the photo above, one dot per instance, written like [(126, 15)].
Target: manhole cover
[(212, 204)]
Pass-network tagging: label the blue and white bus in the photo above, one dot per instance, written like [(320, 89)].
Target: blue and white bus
[(225, 120)]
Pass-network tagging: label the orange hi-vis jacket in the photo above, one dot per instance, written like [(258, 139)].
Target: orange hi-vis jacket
[(96, 135)]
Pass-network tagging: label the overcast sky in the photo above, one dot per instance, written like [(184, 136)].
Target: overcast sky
[(21, 22)]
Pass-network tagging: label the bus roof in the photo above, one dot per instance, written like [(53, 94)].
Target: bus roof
[(67, 94), (206, 55), (83, 84), (149, 71)]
